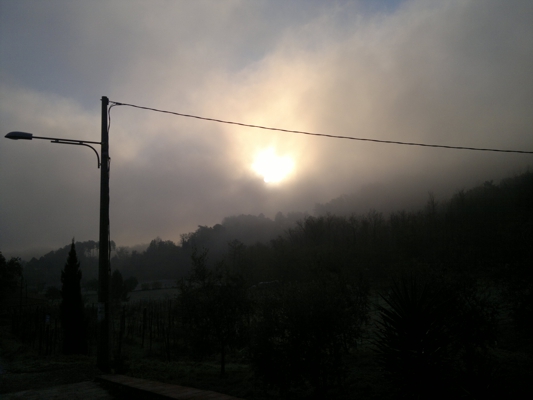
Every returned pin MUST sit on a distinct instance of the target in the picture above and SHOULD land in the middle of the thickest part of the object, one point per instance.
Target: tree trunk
(223, 360)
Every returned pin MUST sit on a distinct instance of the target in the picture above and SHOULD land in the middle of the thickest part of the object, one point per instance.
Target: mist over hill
(161, 259)
(489, 223)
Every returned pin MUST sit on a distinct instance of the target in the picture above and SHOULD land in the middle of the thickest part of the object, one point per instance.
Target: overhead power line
(116, 103)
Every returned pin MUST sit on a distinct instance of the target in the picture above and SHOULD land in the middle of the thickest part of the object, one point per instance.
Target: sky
(448, 72)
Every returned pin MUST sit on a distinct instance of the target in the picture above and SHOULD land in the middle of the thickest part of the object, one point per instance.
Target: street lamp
(104, 272)
(30, 136)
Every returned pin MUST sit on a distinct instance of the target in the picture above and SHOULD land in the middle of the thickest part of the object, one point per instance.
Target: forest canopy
(486, 228)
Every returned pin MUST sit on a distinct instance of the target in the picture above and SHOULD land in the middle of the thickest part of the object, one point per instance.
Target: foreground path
(73, 391)
(109, 387)
(124, 386)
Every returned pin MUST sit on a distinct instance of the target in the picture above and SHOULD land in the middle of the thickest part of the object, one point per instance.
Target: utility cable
(116, 103)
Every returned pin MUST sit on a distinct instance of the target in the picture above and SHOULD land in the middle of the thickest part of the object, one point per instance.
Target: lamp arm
(79, 144)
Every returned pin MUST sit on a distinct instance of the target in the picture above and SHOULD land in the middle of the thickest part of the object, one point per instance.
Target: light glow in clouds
(449, 72)
(271, 167)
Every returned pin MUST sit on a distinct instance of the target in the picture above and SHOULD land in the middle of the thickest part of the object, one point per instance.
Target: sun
(271, 167)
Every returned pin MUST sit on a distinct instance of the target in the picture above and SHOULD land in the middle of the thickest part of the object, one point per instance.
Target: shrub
(433, 337)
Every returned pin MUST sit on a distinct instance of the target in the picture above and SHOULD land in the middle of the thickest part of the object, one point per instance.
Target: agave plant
(413, 338)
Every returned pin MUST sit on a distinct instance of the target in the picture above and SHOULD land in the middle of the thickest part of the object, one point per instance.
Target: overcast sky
(447, 72)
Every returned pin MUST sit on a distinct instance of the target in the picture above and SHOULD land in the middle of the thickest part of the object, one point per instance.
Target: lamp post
(104, 272)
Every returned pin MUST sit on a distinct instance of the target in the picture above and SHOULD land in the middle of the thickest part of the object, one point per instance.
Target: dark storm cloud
(446, 72)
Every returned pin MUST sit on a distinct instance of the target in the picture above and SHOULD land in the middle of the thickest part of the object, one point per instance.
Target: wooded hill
(486, 230)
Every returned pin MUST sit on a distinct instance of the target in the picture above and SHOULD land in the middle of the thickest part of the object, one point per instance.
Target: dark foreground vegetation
(409, 305)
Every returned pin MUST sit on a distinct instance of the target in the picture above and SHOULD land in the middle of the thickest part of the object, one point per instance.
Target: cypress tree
(72, 309)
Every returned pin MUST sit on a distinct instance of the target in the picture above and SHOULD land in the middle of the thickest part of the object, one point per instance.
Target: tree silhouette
(129, 286)
(117, 286)
(72, 309)
(121, 288)
(303, 331)
(215, 306)
(10, 276)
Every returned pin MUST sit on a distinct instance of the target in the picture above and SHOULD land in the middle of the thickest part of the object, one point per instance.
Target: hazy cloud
(446, 72)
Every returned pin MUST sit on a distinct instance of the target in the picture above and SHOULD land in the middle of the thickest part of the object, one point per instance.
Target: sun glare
(271, 167)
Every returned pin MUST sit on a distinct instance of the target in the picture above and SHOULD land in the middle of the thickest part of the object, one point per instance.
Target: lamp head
(19, 135)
